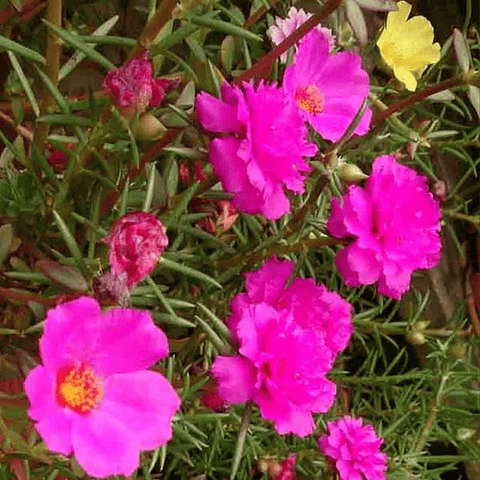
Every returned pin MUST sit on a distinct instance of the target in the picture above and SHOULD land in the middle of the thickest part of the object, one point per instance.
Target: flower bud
(149, 128)
(415, 338)
(351, 173)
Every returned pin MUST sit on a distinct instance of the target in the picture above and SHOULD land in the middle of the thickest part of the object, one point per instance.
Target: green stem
(242, 435)
(262, 67)
(52, 67)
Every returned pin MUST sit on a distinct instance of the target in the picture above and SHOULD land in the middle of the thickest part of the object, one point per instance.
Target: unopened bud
(351, 173)
(149, 128)
(415, 338)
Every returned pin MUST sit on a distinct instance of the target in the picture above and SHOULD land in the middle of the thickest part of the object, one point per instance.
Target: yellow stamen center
(78, 388)
(310, 99)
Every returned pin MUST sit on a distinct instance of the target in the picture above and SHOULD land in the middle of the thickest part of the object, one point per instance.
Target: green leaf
(378, 5)
(64, 275)
(15, 47)
(474, 97)
(78, 56)
(461, 50)
(227, 52)
(25, 83)
(357, 21)
(190, 272)
(6, 239)
(56, 94)
(70, 242)
(77, 42)
(225, 27)
(65, 119)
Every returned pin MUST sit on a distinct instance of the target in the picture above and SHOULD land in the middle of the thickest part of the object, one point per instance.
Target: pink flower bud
(133, 88)
(136, 241)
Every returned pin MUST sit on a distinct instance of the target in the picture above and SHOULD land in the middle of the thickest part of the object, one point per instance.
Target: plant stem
(153, 27)
(262, 67)
(415, 97)
(242, 435)
(52, 66)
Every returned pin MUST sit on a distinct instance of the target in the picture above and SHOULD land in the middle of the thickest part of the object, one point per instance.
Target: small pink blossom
(136, 241)
(354, 449)
(288, 341)
(94, 396)
(328, 89)
(133, 88)
(395, 221)
(261, 149)
(284, 27)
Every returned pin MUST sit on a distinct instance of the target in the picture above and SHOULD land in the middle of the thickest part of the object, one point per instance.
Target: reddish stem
(262, 67)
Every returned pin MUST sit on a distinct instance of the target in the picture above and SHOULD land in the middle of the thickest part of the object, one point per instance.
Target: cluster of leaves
(424, 403)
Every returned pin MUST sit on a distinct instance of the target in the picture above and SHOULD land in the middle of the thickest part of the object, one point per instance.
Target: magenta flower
(396, 223)
(288, 339)
(133, 88)
(93, 396)
(255, 158)
(136, 241)
(327, 89)
(354, 449)
(284, 27)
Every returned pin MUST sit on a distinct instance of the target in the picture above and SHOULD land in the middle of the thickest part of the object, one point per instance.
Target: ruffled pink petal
(216, 115)
(276, 204)
(267, 283)
(70, 333)
(53, 422)
(144, 402)
(128, 340)
(235, 378)
(299, 423)
(357, 266)
(103, 446)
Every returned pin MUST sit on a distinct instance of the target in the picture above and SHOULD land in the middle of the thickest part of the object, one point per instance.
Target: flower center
(310, 99)
(78, 388)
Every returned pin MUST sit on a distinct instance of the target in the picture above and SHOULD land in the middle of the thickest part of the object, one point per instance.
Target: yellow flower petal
(396, 19)
(406, 77)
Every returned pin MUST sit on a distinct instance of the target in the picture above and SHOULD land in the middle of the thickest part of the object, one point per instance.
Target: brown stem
(415, 97)
(22, 131)
(262, 67)
(52, 66)
(153, 27)
(27, 297)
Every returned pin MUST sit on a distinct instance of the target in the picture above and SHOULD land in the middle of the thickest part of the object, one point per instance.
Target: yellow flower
(407, 45)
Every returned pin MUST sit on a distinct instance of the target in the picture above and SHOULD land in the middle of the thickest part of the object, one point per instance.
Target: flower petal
(103, 446)
(144, 402)
(235, 378)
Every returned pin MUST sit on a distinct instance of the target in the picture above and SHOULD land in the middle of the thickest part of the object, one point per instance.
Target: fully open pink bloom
(288, 339)
(355, 449)
(263, 149)
(396, 223)
(328, 89)
(133, 88)
(136, 241)
(93, 396)
(283, 27)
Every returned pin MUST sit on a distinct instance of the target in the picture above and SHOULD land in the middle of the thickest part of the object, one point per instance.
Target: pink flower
(262, 147)
(327, 89)
(283, 27)
(288, 339)
(395, 221)
(133, 88)
(136, 241)
(355, 449)
(93, 396)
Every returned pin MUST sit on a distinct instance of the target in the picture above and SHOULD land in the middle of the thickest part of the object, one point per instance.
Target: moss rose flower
(327, 89)
(288, 339)
(354, 449)
(263, 149)
(407, 45)
(133, 88)
(93, 396)
(395, 221)
(284, 27)
(136, 241)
